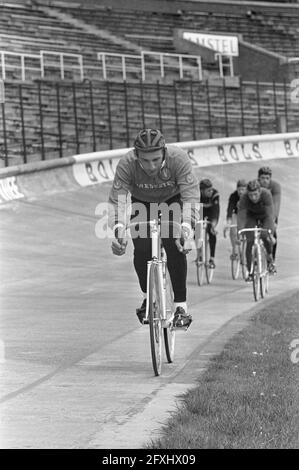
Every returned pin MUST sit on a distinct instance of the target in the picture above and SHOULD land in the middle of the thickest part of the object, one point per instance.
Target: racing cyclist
(231, 215)
(209, 197)
(156, 176)
(266, 181)
(256, 209)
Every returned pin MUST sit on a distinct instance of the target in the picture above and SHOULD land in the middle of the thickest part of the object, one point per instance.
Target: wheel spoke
(169, 332)
(155, 319)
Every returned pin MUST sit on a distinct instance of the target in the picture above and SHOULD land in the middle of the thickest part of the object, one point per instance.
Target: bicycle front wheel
(243, 259)
(255, 275)
(264, 281)
(235, 266)
(169, 331)
(155, 318)
(208, 269)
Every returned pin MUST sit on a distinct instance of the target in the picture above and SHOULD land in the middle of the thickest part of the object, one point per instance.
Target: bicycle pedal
(182, 326)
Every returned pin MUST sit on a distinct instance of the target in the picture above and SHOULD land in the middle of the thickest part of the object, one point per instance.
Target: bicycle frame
(258, 267)
(159, 305)
(241, 259)
(201, 241)
(158, 258)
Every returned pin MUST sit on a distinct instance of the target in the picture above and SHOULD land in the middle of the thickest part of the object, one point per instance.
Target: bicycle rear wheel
(235, 267)
(264, 281)
(262, 286)
(199, 267)
(169, 331)
(155, 318)
(209, 271)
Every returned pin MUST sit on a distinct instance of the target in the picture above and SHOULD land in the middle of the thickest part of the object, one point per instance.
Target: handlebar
(255, 230)
(162, 229)
(158, 224)
(204, 221)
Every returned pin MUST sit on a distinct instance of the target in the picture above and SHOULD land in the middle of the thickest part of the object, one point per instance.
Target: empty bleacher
(46, 119)
(106, 115)
(275, 32)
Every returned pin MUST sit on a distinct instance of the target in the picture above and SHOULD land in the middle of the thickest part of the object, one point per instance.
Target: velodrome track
(77, 370)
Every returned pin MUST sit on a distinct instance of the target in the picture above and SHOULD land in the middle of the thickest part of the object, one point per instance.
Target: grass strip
(248, 396)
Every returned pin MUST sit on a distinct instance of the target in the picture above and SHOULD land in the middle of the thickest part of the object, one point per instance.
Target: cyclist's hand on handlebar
(119, 245)
(186, 235)
(213, 230)
(272, 239)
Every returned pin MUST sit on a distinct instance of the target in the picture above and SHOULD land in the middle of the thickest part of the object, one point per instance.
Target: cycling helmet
(253, 185)
(265, 170)
(148, 140)
(205, 184)
(241, 183)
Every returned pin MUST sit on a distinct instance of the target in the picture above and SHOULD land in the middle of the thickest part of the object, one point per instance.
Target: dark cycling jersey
(275, 190)
(232, 207)
(211, 208)
(250, 212)
(176, 176)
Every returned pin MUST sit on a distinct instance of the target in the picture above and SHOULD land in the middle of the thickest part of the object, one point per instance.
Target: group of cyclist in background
(153, 173)
(256, 203)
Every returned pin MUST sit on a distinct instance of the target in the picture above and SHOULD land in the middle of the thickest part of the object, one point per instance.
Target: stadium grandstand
(84, 76)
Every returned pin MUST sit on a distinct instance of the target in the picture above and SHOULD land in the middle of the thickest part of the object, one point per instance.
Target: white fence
(140, 65)
(26, 66)
(63, 66)
(17, 61)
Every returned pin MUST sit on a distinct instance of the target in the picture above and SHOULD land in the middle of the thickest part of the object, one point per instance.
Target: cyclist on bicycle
(231, 214)
(266, 181)
(209, 197)
(156, 176)
(256, 209)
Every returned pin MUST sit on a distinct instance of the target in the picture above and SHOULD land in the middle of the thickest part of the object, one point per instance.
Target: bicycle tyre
(199, 267)
(267, 282)
(235, 268)
(262, 287)
(155, 320)
(255, 274)
(243, 260)
(264, 281)
(209, 271)
(169, 331)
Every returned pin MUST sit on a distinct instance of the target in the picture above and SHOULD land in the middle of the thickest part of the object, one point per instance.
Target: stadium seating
(180, 115)
(118, 109)
(276, 32)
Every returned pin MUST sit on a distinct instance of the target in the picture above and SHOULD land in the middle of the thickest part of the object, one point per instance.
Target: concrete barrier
(94, 168)
(43, 178)
(36, 179)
